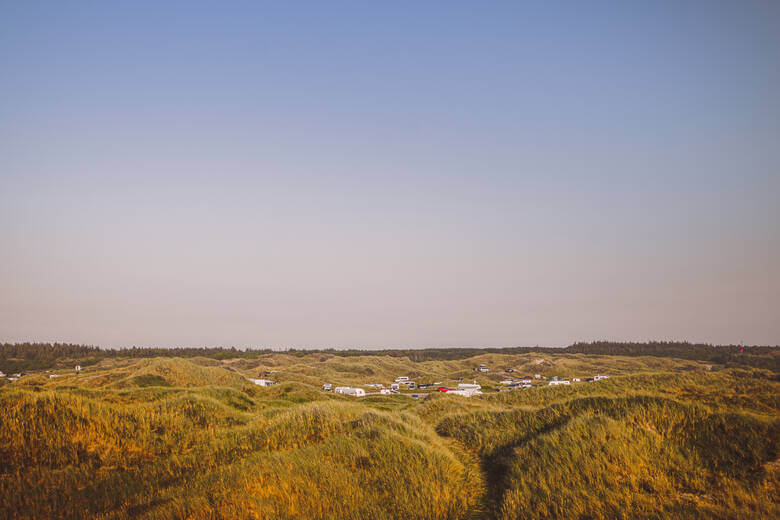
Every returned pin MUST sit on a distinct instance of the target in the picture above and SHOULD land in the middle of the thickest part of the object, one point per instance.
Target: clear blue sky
(389, 173)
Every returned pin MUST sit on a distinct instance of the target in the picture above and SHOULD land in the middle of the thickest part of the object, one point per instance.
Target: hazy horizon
(356, 174)
(370, 348)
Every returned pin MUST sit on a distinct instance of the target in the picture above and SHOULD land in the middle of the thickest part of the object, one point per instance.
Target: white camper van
(346, 390)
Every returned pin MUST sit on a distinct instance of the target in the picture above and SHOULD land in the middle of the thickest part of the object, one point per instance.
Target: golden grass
(175, 438)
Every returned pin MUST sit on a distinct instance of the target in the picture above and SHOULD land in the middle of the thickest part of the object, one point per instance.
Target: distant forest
(16, 357)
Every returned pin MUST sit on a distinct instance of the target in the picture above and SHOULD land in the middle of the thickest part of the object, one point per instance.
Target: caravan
(346, 390)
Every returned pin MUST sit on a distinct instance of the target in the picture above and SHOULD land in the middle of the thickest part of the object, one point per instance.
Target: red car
(443, 389)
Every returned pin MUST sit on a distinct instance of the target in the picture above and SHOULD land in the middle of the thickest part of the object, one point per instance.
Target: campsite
(201, 434)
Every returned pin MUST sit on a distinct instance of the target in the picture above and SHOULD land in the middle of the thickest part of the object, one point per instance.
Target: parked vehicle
(262, 382)
(356, 392)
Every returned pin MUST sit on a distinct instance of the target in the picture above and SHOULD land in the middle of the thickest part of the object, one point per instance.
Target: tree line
(32, 356)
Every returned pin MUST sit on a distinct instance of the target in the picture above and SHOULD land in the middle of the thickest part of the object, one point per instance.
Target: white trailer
(346, 390)
(262, 382)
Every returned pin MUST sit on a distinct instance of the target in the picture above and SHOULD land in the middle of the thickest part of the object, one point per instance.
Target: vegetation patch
(168, 437)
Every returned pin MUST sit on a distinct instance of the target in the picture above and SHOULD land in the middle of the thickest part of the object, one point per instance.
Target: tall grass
(175, 438)
(69, 456)
(624, 457)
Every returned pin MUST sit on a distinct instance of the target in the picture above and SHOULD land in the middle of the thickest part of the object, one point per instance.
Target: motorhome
(346, 390)
(262, 382)
(467, 390)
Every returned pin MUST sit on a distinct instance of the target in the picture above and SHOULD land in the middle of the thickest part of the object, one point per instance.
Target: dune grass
(193, 438)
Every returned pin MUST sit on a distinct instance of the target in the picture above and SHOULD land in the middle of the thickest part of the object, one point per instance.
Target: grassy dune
(193, 438)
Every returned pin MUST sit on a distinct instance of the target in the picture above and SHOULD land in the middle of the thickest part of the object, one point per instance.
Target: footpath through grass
(193, 438)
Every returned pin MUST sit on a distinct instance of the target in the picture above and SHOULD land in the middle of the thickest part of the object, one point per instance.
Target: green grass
(193, 438)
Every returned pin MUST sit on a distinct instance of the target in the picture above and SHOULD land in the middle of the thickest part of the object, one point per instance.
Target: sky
(389, 174)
